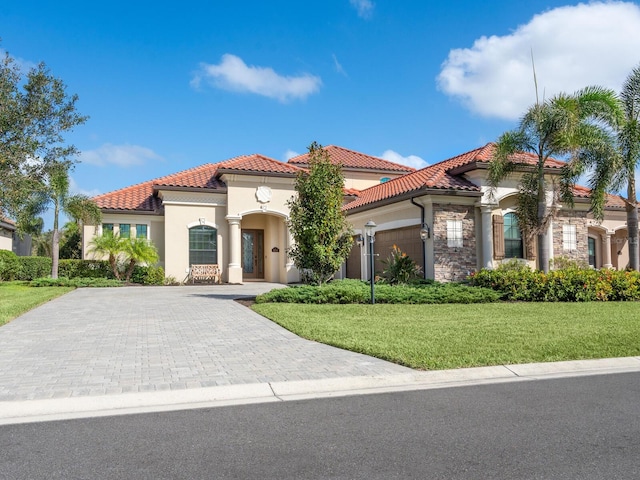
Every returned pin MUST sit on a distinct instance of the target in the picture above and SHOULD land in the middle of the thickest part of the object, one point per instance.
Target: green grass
(17, 298)
(455, 336)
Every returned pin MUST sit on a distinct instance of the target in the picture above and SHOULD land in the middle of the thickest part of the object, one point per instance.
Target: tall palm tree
(54, 192)
(565, 125)
(618, 170)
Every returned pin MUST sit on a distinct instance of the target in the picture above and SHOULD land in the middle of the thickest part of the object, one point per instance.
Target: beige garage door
(407, 239)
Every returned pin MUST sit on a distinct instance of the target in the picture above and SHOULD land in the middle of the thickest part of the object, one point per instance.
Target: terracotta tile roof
(613, 201)
(7, 223)
(257, 163)
(354, 160)
(141, 197)
(445, 175)
(352, 192)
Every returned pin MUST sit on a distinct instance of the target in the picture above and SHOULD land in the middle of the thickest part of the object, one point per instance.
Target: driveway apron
(136, 339)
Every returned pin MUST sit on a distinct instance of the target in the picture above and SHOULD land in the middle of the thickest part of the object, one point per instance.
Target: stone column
(607, 250)
(487, 236)
(235, 249)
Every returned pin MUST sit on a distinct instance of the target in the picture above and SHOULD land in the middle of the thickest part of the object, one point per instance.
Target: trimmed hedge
(34, 267)
(356, 291)
(75, 282)
(73, 268)
(9, 266)
(567, 285)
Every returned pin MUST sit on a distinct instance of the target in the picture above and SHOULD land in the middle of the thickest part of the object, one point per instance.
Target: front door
(252, 254)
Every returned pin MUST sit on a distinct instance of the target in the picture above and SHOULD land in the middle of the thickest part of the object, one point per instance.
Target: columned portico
(234, 271)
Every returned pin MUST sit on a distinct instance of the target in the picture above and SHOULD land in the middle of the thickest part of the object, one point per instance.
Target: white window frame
(454, 233)
(569, 238)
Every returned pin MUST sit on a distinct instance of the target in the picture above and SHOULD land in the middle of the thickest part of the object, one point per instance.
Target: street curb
(30, 411)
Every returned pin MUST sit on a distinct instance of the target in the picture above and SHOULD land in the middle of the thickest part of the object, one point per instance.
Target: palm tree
(565, 125)
(54, 191)
(618, 170)
(110, 245)
(139, 250)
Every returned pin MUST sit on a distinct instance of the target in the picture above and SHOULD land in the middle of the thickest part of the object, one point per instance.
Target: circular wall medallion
(263, 194)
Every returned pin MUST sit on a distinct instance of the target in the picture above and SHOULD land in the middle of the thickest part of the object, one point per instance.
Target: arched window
(512, 237)
(203, 245)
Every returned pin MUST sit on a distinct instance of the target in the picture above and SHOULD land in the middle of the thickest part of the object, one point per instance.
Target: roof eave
(414, 193)
(255, 173)
(177, 188)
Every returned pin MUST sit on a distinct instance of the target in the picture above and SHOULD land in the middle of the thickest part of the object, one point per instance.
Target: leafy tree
(138, 250)
(35, 112)
(616, 170)
(123, 250)
(71, 241)
(565, 125)
(53, 191)
(321, 233)
(110, 245)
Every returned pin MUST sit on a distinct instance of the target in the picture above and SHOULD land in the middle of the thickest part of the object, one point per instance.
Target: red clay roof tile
(354, 160)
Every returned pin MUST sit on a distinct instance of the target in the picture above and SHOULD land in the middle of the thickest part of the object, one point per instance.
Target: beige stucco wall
(362, 180)
(6, 239)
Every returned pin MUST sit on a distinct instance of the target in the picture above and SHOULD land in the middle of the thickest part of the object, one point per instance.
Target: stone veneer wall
(449, 264)
(579, 219)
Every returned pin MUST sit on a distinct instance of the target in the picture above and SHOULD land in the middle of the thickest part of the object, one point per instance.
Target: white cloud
(290, 154)
(338, 66)
(573, 47)
(410, 161)
(235, 75)
(75, 189)
(119, 155)
(24, 66)
(363, 7)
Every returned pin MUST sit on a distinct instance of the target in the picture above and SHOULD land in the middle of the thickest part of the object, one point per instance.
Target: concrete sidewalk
(131, 349)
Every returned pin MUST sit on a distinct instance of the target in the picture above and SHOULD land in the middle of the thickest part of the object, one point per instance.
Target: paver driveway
(135, 339)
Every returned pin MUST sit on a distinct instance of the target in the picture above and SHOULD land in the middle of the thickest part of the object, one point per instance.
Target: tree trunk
(543, 243)
(632, 223)
(55, 242)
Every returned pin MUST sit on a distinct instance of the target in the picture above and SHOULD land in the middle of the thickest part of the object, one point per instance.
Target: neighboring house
(7, 232)
(234, 214)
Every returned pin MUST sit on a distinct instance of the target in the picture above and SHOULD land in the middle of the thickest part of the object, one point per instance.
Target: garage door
(353, 262)
(407, 239)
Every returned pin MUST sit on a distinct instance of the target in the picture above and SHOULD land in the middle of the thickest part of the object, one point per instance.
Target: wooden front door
(252, 254)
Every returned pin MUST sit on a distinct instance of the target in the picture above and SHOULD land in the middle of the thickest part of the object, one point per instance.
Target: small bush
(10, 268)
(34, 267)
(400, 269)
(148, 275)
(356, 291)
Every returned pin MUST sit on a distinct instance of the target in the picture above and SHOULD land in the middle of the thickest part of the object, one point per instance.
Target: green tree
(563, 126)
(320, 231)
(138, 250)
(616, 170)
(110, 245)
(35, 112)
(71, 241)
(53, 191)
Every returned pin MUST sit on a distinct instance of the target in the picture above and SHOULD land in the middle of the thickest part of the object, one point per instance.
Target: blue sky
(169, 85)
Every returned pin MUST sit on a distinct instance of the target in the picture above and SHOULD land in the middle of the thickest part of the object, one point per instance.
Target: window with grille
(512, 237)
(203, 245)
(569, 238)
(454, 233)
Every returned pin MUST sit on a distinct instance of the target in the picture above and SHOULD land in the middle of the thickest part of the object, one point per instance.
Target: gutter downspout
(424, 242)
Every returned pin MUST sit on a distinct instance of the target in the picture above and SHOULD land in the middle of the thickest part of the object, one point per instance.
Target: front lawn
(455, 336)
(16, 298)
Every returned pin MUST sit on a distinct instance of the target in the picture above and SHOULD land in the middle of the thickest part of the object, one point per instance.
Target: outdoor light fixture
(425, 232)
(370, 230)
(359, 240)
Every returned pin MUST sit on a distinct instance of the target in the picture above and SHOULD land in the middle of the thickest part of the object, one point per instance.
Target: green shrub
(356, 291)
(150, 275)
(400, 269)
(85, 269)
(10, 268)
(34, 267)
(75, 282)
(570, 284)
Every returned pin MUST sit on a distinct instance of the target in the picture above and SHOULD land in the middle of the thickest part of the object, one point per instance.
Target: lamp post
(424, 235)
(370, 231)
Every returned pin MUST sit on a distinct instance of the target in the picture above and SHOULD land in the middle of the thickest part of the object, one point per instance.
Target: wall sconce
(425, 232)
(359, 240)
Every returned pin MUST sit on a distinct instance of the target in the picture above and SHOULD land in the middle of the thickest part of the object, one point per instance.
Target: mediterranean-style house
(234, 214)
(7, 233)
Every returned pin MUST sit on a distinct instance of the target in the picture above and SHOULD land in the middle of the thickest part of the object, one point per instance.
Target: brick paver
(137, 339)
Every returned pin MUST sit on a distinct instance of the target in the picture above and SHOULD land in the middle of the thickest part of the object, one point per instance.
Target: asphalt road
(572, 428)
